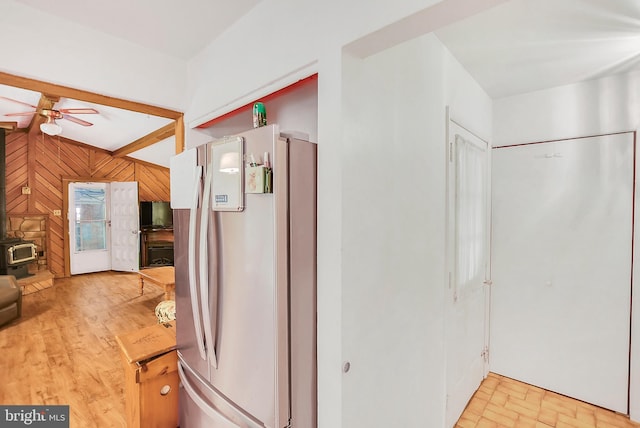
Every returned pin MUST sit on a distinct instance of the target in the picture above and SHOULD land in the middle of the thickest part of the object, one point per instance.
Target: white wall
(469, 105)
(600, 106)
(295, 112)
(45, 47)
(393, 240)
(279, 42)
(392, 272)
(610, 104)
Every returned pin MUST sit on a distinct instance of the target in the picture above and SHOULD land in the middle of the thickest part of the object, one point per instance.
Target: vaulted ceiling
(179, 30)
(118, 126)
(515, 47)
(521, 46)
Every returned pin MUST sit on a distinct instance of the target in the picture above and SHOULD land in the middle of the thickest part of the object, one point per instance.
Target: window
(470, 212)
(90, 219)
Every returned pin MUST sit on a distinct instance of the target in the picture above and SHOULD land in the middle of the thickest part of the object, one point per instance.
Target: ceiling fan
(50, 126)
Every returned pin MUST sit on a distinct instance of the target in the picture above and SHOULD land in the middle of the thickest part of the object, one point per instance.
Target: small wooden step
(38, 281)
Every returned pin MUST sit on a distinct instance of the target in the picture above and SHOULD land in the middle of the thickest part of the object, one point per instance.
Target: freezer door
(248, 271)
(203, 407)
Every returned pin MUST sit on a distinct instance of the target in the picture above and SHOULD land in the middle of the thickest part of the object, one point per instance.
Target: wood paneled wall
(41, 162)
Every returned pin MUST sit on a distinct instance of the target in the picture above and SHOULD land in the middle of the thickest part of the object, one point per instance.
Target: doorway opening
(102, 225)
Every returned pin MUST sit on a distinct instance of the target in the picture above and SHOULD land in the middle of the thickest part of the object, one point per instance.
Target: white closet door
(561, 265)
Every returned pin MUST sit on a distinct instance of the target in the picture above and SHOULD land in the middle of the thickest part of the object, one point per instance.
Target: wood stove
(15, 257)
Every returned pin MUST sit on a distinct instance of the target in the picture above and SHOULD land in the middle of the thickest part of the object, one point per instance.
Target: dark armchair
(10, 299)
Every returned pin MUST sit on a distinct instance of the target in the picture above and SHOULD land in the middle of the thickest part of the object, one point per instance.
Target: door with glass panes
(103, 227)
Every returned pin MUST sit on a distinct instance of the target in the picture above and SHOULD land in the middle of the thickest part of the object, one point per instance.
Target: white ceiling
(526, 45)
(177, 28)
(518, 46)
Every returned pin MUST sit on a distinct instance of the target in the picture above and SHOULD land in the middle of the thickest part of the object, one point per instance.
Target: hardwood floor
(503, 402)
(63, 349)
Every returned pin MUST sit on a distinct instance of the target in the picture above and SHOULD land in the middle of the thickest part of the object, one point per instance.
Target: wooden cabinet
(151, 376)
(156, 247)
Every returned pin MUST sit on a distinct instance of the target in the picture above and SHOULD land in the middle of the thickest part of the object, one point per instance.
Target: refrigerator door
(186, 182)
(302, 282)
(248, 268)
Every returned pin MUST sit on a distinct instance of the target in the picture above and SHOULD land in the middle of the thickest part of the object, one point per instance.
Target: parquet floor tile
(502, 402)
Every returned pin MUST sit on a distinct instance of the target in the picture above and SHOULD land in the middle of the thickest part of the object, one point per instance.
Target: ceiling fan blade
(78, 110)
(26, 113)
(18, 102)
(76, 120)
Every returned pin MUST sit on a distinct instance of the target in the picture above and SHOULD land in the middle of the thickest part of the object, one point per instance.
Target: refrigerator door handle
(204, 269)
(193, 287)
(200, 402)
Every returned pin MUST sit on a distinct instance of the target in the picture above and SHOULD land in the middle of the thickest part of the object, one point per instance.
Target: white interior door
(89, 236)
(468, 261)
(125, 226)
(561, 266)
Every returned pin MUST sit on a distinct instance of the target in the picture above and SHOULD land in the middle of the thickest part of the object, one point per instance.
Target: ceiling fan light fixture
(50, 127)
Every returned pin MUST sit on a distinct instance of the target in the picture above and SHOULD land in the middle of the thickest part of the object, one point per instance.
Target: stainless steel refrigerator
(245, 261)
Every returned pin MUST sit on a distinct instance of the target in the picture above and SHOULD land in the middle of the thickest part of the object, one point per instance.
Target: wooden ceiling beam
(179, 135)
(9, 126)
(46, 102)
(156, 136)
(78, 94)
